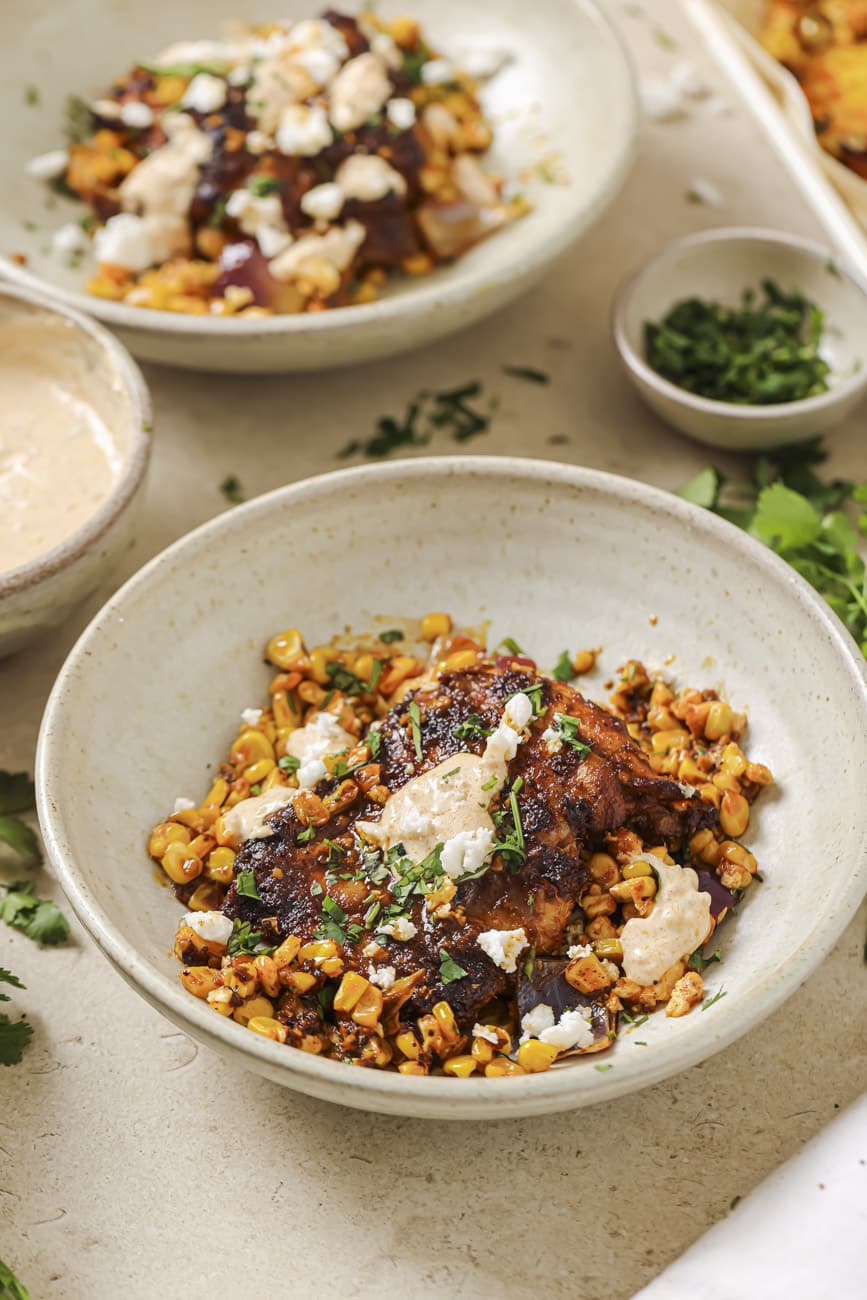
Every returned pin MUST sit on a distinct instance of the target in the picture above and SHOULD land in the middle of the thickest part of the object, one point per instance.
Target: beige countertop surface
(134, 1163)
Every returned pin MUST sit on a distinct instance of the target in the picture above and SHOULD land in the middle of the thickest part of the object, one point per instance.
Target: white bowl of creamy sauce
(75, 423)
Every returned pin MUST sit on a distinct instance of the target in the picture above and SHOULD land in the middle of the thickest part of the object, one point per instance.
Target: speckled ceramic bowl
(564, 109)
(552, 555)
(38, 595)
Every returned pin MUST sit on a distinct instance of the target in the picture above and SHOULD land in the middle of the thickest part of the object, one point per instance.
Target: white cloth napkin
(800, 1235)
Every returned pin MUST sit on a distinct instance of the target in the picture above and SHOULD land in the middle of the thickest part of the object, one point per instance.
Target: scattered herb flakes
(187, 70)
(490, 783)
(511, 645)
(605, 1065)
(415, 724)
(663, 39)
(245, 884)
(638, 1042)
(344, 680)
(450, 971)
(833, 269)
(450, 412)
(567, 729)
(530, 962)
(390, 635)
(232, 490)
(316, 889)
(473, 728)
(558, 439)
(14, 1037)
(305, 836)
(16, 796)
(373, 740)
(708, 1002)
(32, 97)
(38, 918)
(760, 353)
(263, 186)
(563, 670)
(244, 939)
(735, 1201)
(699, 962)
(805, 520)
(79, 120)
(528, 373)
(218, 211)
(289, 763)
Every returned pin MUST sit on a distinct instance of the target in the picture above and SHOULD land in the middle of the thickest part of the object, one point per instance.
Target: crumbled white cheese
(382, 976)
(437, 71)
(401, 928)
(480, 58)
(135, 243)
(703, 191)
(573, 1029)
(534, 1022)
(251, 716)
(359, 90)
(69, 240)
(303, 131)
(487, 1032)
(262, 217)
(201, 52)
(661, 100)
(400, 113)
(611, 969)
(319, 48)
(337, 247)
(107, 109)
(48, 166)
(686, 77)
(213, 927)
(503, 947)
(371, 949)
(205, 93)
(551, 738)
(313, 742)
(473, 181)
(579, 950)
(239, 75)
(258, 142)
(136, 114)
(163, 183)
(182, 804)
(279, 82)
(465, 852)
(387, 48)
(324, 202)
(367, 177)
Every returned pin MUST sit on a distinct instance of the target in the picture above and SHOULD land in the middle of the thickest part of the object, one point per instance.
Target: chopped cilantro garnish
(79, 119)
(316, 889)
(189, 70)
(391, 635)
(245, 884)
(289, 763)
(567, 729)
(14, 1037)
(305, 836)
(563, 670)
(450, 971)
(510, 837)
(373, 740)
(371, 914)
(218, 211)
(534, 695)
(415, 724)
(32, 99)
(472, 729)
(244, 939)
(343, 679)
(16, 795)
(490, 783)
(448, 775)
(710, 1001)
(530, 373)
(261, 186)
(448, 412)
(232, 490)
(605, 1065)
(699, 962)
(511, 645)
(378, 665)
(336, 924)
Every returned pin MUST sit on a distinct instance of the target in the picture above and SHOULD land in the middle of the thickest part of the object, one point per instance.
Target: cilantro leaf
(563, 670)
(704, 489)
(472, 729)
(699, 962)
(232, 490)
(567, 729)
(38, 918)
(511, 645)
(289, 763)
(16, 792)
(450, 971)
(244, 939)
(6, 977)
(344, 680)
(21, 838)
(245, 884)
(391, 635)
(785, 519)
(14, 1037)
(415, 724)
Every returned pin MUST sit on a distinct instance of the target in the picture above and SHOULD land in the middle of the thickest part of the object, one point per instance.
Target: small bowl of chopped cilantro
(744, 338)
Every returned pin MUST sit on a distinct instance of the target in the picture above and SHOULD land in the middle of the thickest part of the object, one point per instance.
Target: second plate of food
(308, 192)
(512, 795)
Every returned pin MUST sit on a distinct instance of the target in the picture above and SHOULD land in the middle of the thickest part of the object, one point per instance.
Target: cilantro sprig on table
(10, 1287)
(14, 1034)
(16, 796)
(805, 520)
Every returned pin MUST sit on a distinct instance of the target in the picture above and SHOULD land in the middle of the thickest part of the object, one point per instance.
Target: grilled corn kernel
(241, 977)
(363, 667)
(268, 1027)
(249, 1011)
(222, 1000)
(759, 774)
(412, 1067)
(267, 974)
(718, 721)
(662, 741)
(351, 988)
(640, 868)
(734, 814)
(503, 1067)
(318, 950)
(407, 1043)
(257, 771)
(534, 1057)
(206, 897)
(287, 952)
(165, 834)
(284, 648)
(460, 1066)
(482, 1051)
(319, 657)
(446, 1020)
(332, 967)
(220, 865)
(179, 864)
(434, 625)
(587, 974)
(459, 660)
(604, 869)
(301, 980)
(250, 747)
(609, 948)
(584, 662)
(368, 1007)
(200, 980)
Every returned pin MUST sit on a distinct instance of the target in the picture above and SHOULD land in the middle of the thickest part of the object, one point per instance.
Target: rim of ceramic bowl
(72, 547)
(636, 363)
(564, 1087)
(416, 296)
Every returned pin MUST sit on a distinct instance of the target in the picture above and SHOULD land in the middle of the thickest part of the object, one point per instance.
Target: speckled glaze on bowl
(552, 555)
(565, 103)
(38, 595)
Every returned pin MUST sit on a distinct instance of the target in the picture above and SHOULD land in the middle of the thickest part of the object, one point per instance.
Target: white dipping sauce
(59, 460)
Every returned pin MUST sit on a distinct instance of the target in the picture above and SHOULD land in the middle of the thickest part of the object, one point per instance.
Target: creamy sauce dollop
(678, 924)
(59, 459)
